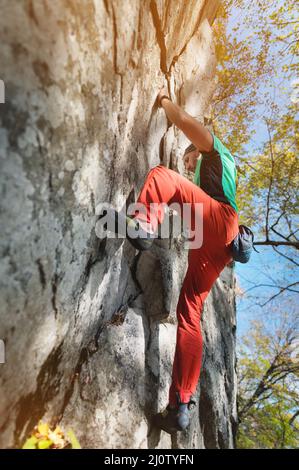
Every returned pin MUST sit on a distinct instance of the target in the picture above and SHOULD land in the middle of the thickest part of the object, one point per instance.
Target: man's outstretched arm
(198, 134)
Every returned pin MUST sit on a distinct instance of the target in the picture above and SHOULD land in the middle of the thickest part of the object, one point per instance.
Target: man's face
(190, 160)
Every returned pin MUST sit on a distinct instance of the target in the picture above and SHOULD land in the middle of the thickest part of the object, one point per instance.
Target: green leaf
(30, 443)
(73, 440)
(44, 444)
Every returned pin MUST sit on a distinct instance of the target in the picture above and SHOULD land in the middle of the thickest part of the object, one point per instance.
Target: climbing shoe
(128, 226)
(174, 419)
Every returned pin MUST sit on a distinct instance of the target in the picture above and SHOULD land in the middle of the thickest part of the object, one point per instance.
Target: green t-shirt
(216, 173)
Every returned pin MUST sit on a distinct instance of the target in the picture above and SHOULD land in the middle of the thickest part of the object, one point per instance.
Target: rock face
(89, 325)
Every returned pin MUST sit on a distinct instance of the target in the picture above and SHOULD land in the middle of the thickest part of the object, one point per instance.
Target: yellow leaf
(43, 428)
(73, 440)
(30, 443)
(58, 430)
(44, 444)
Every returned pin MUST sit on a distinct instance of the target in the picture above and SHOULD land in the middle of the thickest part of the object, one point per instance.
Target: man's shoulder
(222, 149)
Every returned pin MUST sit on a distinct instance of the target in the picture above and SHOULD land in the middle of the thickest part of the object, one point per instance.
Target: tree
(255, 55)
(266, 33)
(254, 102)
(268, 399)
(268, 190)
(240, 71)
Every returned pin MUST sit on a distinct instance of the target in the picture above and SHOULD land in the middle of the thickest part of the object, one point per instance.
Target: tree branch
(282, 289)
(270, 182)
(285, 256)
(293, 417)
(278, 243)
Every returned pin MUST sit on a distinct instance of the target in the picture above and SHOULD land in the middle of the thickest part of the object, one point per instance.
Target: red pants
(220, 226)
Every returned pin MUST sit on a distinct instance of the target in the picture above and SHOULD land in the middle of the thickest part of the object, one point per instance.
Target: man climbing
(214, 187)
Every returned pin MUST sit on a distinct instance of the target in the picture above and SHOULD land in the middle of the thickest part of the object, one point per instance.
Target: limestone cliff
(89, 325)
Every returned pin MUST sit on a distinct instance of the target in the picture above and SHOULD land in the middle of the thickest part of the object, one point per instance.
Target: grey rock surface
(89, 325)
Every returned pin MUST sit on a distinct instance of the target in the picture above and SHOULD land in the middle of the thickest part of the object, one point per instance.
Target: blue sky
(266, 267)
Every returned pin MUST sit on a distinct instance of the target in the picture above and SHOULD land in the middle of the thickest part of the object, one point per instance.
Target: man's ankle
(145, 226)
(172, 407)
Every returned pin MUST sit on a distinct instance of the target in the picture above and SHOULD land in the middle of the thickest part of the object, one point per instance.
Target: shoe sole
(120, 223)
(158, 422)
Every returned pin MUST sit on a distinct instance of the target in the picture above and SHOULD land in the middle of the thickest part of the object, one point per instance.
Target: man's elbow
(198, 134)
